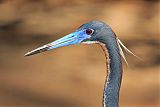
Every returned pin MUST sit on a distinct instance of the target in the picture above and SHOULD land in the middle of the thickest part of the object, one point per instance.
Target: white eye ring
(89, 31)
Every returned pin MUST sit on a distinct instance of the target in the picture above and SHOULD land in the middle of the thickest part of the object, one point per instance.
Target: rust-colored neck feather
(114, 76)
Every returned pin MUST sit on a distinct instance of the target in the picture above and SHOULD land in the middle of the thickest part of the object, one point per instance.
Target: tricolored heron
(102, 34)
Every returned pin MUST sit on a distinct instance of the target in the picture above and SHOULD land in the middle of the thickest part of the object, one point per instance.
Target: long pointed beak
(71, 39)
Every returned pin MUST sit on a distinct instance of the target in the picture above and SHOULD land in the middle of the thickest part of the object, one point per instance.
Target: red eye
(89, 31)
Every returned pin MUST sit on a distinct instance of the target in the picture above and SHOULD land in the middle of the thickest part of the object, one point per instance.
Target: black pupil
(89, 31)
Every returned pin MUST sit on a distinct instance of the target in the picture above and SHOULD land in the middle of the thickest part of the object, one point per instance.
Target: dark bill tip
(36, 51)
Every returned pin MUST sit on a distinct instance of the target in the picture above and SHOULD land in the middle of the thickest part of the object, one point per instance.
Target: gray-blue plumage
(104, 34)
(101, 33)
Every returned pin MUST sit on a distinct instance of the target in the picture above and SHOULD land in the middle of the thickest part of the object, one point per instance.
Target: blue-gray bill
(71, 39)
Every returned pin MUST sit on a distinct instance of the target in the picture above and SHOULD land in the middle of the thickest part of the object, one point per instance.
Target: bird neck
(114, 75)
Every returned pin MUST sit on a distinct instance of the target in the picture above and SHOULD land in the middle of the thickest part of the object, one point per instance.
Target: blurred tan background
(74, 76)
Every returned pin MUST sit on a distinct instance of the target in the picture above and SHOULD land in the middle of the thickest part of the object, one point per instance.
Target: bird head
(89, 33)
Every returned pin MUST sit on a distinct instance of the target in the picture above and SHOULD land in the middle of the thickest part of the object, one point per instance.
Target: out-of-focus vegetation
(74, 76)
